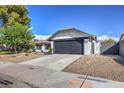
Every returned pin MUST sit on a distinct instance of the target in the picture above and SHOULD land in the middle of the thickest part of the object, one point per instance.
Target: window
(38, 47)
(47, 46)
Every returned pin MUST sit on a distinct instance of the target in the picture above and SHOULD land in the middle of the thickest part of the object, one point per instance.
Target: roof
(122, 37)
(42, 42)
(71, 32)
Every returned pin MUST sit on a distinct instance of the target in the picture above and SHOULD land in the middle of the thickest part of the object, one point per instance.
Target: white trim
(62, 37)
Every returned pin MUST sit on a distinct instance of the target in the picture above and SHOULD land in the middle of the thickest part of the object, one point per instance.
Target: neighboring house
(42, 46)
(74, 41)
(3, 47)
(121, 45)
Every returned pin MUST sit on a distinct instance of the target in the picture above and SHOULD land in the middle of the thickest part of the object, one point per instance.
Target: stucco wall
(52, 46)
(97, 46)
(87, 48)
(121, 48)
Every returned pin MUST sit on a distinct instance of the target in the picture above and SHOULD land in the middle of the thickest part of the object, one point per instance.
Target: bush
(6, 52)
(50, 50)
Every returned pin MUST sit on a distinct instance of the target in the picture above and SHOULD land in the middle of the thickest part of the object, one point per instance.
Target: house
(121, 45)
(42, 45)
(74, 41)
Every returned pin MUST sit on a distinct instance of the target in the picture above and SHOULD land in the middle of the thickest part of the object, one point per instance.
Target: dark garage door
(68, 47)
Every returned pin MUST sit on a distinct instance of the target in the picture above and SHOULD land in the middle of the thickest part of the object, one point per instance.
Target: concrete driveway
(55, 61)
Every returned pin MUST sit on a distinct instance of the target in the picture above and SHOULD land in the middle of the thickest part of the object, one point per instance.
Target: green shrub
(6, 52)
(50, 50)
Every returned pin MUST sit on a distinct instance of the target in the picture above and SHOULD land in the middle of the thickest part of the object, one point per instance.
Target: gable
(69, 33)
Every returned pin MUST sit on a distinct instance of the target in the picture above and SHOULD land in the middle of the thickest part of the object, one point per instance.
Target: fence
(121, 48)
(109, 48)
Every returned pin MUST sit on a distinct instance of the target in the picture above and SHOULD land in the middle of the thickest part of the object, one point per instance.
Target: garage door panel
(60, 47)
(67, 47)
(74, 47)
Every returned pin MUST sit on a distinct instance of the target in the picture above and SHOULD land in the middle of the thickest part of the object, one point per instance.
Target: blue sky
(99, 20)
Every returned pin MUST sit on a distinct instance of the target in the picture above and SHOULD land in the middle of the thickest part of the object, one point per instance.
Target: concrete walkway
(55, 61)
(49, 78)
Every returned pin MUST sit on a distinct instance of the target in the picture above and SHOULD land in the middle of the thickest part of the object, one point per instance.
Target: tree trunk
(15, 49)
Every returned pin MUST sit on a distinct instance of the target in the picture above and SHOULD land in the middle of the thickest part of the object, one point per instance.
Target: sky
(102, 21)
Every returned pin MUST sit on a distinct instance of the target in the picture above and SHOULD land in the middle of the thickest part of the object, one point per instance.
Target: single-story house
(42, 45)
(74, 41)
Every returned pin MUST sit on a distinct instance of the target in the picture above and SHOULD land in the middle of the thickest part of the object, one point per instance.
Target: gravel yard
(109, 67)
(20, 57)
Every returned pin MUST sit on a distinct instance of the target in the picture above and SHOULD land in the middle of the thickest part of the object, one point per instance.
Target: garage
(71, 41)
(68, 47)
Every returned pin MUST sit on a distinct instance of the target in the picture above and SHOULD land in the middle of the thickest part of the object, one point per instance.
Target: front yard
(99, 66)
(20, 57)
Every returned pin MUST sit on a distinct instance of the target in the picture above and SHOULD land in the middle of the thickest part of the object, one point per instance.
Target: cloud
(42, 37)
(104, 37)
(109, 32)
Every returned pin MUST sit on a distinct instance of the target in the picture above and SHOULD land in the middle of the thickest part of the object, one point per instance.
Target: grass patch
(6, 52)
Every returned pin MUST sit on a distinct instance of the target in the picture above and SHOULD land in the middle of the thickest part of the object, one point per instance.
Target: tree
(14, 13)
(16, 35)
(110, 40)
